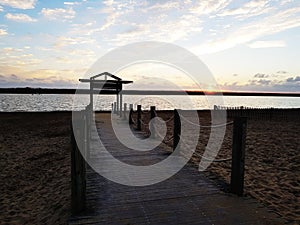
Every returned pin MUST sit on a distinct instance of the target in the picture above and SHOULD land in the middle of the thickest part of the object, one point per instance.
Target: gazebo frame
(115, 85)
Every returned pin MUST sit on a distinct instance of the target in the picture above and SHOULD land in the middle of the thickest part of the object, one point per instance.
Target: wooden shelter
(109, 82)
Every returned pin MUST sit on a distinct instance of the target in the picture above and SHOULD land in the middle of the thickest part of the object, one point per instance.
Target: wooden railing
(260, 113)
(238, 142)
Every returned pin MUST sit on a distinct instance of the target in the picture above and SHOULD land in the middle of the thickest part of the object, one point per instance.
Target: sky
(247, 45)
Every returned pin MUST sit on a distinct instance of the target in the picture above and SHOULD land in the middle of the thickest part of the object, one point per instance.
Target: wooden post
(78, 180)
(139, 117)
(130, 116)
(86, 121)
(121, 104)
(238, 155)
(152, 115)
(115, 107)
(88, 125)
(92, 96)
(125, 111)
(176, 129)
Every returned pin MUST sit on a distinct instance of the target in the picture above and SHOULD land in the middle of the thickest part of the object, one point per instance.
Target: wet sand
(35, 166)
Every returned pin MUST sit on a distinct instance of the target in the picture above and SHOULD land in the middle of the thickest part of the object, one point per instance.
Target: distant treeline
(29, 90)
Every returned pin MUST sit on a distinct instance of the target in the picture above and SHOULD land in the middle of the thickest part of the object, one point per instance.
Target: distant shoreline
(142, 92)
(162, 110)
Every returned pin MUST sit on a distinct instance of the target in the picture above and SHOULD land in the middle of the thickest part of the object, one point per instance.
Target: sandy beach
(35, 165)
(35, 168)
(272, 162)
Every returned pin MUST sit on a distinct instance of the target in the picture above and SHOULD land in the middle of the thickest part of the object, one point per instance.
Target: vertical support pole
(112, 107)
(176, 129)
(152, 126)
(238, 155)
(115, 107)
(91, 94)
(78, 181)
(117, 111)
(131, 106)
(121, 104)
(130, 117)
(91, 100)
(125, 111)
(87, 131)
(139, 117)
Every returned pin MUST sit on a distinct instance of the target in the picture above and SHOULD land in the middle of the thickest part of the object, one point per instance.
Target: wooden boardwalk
(186, 198)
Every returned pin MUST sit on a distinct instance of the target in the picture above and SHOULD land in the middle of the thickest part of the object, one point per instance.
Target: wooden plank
(188, 197)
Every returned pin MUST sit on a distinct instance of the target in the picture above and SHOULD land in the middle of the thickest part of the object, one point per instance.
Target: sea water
(68, 102)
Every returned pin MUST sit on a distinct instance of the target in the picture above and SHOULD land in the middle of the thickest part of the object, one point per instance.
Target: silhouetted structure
(99, 86)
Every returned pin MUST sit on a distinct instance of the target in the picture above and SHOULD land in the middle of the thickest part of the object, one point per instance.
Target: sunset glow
(247, 45)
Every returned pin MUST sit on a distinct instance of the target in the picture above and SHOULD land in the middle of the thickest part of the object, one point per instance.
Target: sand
(35, 166)
(272, 167)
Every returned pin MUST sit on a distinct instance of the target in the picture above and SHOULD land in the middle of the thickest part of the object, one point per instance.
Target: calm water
(10, 103)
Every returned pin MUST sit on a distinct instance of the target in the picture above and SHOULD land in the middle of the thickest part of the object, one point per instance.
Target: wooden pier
(186, 198)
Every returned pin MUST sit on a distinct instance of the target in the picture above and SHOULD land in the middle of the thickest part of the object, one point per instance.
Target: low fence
(261, 113)
(81, 129)
(238, 141)
(270, 114)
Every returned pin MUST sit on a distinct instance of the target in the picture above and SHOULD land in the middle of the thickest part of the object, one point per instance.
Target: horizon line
(29, 90)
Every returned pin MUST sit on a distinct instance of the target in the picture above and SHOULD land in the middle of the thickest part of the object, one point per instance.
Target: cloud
(17, 57)
(249, 9)
(20, 17)
(149, 20)
(261, 75)
(72, 3)
(50, 78)
(113, 10)
(1, 8)
(58, 13)
(110, 20)
(293, 80)
(267, 44)
(160, 28)
(66, 41)
(291, 84)
(283, 2)
(209, 6)
(3, 32)
(19, 4)
(244, 33)
(282, 72)
(86, 29)
(202, 22)
(14, 77)
(263, 82)
(165, 6)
